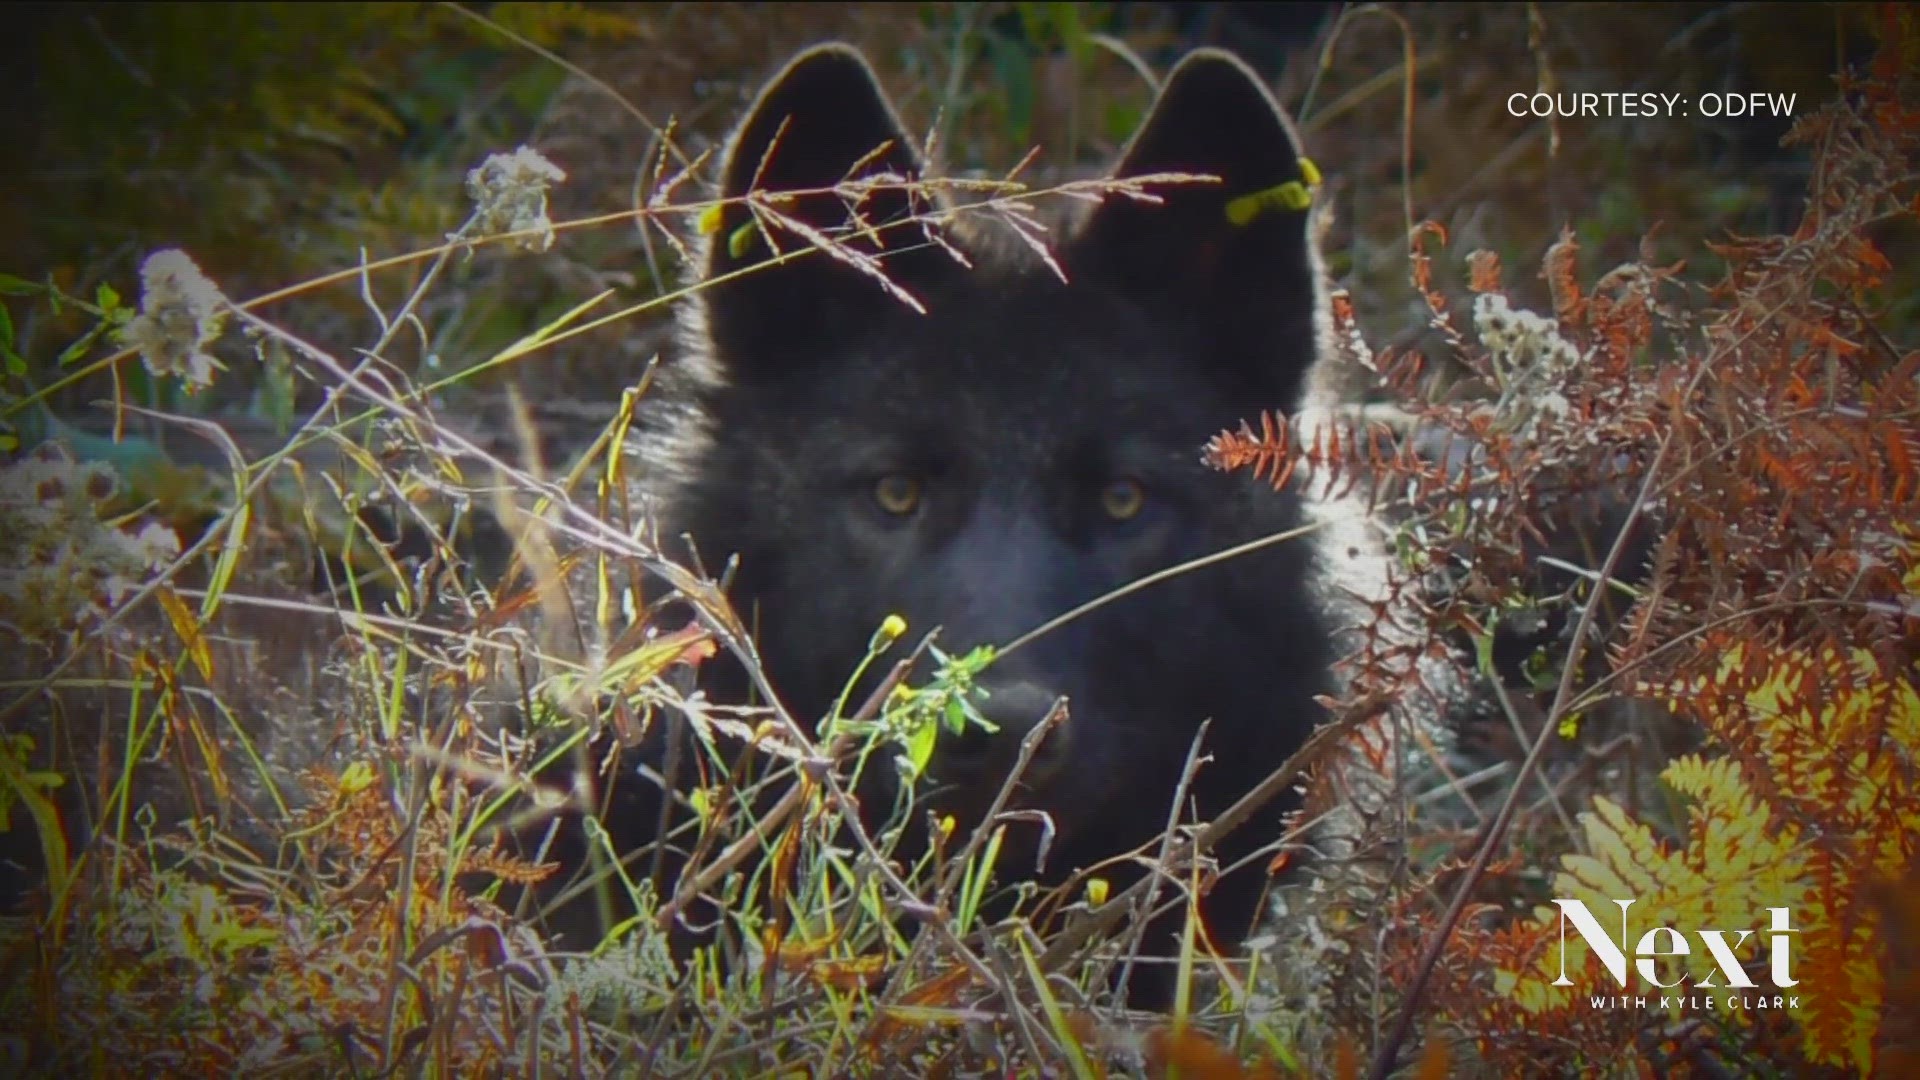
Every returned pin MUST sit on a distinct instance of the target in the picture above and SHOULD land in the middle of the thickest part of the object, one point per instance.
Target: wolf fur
(1024, 414)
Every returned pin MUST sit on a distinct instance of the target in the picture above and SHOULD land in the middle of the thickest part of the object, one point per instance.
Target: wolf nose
(1015, 710)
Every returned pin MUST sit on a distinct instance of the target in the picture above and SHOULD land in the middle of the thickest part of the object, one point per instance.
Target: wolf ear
(821, 121)
(1233, 259)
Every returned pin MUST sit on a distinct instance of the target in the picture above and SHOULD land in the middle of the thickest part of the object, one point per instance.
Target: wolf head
(1009, 444)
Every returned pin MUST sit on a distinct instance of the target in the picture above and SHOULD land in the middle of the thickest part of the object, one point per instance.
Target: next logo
(1663, 941)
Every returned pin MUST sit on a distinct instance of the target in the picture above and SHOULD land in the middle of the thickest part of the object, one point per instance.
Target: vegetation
(273, 707)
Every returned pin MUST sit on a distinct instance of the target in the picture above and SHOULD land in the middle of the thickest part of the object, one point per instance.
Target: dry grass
(281, 828)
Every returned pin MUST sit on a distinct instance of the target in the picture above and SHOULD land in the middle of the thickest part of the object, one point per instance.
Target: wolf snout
(1015, 710)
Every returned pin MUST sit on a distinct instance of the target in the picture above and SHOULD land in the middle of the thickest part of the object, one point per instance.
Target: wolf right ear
(1234, 259)
(822, 121)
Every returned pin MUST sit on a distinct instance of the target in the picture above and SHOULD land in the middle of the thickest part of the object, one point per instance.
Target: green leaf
(277, 389)
(228, 937)
(108, 300)
(920, 746)
(1483, 652)
(956, 715)
(15, 363)
(18, 286)
(1539, 669)
(75, 352)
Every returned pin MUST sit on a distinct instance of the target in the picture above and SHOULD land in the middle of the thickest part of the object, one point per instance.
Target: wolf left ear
(822, 121)
(1234, 260)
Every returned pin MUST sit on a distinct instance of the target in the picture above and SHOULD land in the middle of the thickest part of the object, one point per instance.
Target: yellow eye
(897, 495)
(1122, 499)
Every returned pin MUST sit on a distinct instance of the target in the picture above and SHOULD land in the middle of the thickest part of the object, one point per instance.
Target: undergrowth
(274, 725)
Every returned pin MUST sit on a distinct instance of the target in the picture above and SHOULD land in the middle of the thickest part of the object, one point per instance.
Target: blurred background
(276, 142)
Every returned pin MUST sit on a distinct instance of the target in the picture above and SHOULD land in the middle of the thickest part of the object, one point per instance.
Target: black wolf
(1027, 443)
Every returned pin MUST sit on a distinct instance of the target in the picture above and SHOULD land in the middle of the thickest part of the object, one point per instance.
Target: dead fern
(1777, 430)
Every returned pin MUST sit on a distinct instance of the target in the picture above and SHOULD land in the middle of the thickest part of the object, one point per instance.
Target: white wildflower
(61, 566)
(510, 195)
(1520, 339)
(181, 313)
(1532, 363)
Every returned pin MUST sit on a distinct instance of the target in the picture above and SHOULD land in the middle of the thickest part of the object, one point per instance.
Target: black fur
(1013, 401)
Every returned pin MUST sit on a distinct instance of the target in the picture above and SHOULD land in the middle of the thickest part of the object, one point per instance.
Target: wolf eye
(897, 495)
(1122, 499)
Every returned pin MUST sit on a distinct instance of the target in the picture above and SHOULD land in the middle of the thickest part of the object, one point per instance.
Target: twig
(1166, 850)
(1070, 940)
(1028, 746)
(1387, 1054)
